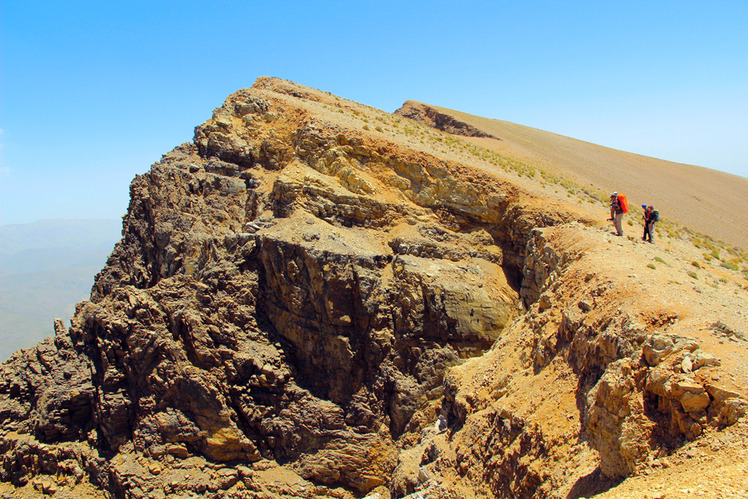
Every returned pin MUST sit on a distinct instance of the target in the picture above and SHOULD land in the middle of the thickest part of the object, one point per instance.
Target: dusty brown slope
(705, 200)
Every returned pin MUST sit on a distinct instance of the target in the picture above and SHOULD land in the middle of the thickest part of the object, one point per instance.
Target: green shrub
(696, 264)
(692, 274)
(651, 266)
(658, 259)
(729, 265)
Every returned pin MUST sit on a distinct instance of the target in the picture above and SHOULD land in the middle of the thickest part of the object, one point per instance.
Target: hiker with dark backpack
(618, 206)
(650, 217)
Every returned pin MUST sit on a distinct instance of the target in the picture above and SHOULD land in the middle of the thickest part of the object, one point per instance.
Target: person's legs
(617, 221)
(650, 232)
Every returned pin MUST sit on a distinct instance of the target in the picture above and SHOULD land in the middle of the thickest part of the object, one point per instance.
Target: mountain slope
(707, 201)
(315, 298)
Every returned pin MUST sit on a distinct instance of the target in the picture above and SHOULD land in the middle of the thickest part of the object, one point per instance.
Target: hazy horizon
(46, 267)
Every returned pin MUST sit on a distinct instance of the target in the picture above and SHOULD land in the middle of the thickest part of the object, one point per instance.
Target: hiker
(650, 217)
(618, 206)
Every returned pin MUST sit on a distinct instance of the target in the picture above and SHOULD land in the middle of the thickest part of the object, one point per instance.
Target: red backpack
(623, 202)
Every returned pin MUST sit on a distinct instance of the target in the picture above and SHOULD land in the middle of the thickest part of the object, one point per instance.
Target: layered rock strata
(427, 114)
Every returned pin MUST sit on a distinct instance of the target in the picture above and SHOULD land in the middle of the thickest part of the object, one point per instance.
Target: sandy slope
(707, 201)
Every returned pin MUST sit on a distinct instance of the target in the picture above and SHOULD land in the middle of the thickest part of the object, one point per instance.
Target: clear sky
(93, 92)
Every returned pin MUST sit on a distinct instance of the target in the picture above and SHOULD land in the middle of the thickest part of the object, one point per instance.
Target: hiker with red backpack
(618, 206)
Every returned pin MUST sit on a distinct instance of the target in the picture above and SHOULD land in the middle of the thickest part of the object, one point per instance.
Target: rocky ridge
(441, 121)
(302, 306)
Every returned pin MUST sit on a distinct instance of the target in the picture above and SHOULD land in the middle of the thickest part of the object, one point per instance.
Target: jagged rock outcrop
(432, 117)
(593, 376)
(256, 307)
(297, 301)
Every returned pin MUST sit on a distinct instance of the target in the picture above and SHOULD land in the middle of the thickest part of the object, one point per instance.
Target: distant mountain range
(46, 267)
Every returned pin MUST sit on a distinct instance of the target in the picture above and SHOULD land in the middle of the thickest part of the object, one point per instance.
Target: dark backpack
(655, 216)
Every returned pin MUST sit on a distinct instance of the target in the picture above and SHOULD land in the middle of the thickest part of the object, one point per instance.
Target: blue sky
(93, 92)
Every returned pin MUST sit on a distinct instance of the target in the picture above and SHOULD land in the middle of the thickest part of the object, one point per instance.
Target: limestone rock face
(49, 390)
(301, 306)
(283, 290)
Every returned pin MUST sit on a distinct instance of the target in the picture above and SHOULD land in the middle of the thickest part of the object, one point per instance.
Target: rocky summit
(315, 298)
